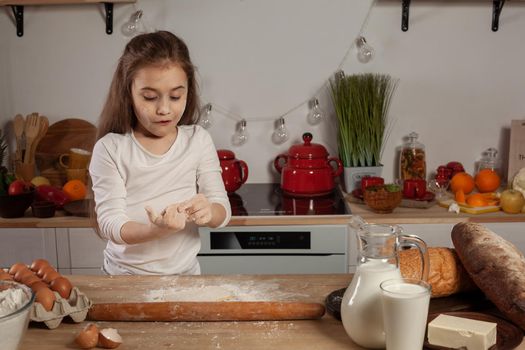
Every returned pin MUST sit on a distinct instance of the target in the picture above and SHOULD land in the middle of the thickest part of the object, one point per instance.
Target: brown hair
(156, 48)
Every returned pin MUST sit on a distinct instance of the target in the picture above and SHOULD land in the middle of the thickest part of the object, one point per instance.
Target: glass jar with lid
(412, 161)
(489, 160)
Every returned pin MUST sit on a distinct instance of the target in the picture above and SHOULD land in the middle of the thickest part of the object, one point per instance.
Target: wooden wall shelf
(18, 9)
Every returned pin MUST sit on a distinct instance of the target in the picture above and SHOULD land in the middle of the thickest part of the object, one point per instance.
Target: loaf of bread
(496, 266)
(446, 274)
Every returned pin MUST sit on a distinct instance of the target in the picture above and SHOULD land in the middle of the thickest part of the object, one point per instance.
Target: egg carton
(76, 307)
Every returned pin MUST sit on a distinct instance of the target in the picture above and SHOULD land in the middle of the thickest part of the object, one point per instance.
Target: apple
(455, 167)
(511, 201)
(17, 187)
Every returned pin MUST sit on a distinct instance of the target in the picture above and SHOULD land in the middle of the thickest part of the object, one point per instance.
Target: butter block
(456, 332)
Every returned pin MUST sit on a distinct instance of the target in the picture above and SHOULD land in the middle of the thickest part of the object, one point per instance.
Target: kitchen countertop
(324, 333)
(432, 215)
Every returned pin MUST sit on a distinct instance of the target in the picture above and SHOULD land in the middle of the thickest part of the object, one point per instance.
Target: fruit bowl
(15, 206)
(383, 199)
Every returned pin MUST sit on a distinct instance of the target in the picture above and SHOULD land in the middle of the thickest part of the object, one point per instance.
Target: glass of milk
(405, 310)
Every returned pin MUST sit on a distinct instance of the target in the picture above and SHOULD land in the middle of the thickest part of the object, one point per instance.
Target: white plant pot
(353, 175)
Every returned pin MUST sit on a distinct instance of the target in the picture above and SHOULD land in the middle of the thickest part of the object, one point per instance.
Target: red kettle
(307, 169)
(234, 171)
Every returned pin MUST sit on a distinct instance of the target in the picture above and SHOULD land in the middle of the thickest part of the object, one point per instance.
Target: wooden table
(325, 333)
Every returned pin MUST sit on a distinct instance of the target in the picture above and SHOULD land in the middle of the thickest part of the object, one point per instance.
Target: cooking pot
(307, 170)
(234, 171)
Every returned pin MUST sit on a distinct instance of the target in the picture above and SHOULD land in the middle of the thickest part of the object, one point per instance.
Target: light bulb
(316, 114)
(339, 75)
(280, 135)
(205, 120)
(365, 52)
(130, 27)
(241, 134)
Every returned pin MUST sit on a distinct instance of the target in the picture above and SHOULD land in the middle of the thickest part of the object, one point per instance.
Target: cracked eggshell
(87, 338)
(108, 338)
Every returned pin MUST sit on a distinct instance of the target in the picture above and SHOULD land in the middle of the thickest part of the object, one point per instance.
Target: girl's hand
(198, 209)
(170, 218)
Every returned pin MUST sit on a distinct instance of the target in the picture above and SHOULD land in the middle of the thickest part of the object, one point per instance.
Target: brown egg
(45, 297)
(28, 280)
(21, 274)
(50, 275)
(38, 285)
(17, 267)
(87, 338)
(38, 264)
(62, 286)
(42, 271)
(4, 276)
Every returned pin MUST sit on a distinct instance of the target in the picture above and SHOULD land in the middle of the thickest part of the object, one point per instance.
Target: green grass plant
(361, 104)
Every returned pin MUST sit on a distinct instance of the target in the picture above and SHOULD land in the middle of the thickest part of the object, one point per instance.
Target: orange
(477, 200)
(487, 180)
(462, 181)
(459, 196)
(75, 189)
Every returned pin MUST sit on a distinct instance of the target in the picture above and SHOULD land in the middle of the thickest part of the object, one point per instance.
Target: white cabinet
(80, 251)
(27, 244)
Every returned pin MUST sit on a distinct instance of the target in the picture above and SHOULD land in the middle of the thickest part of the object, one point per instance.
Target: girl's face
(159, 98)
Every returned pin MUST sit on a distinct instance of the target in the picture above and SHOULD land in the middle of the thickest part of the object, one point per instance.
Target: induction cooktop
(263, 199)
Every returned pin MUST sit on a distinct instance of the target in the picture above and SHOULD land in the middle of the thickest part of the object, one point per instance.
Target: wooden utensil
(19, 126)
(43, 124)
(206, 311)
(31, 132)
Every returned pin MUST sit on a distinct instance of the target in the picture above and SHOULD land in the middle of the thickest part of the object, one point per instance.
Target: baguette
(495, 265)
(446, 274)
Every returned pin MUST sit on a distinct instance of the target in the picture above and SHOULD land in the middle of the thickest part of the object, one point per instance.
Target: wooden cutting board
(68, 133)
(60, 137)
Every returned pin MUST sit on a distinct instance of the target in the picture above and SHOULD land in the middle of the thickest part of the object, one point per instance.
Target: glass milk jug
(361, 308)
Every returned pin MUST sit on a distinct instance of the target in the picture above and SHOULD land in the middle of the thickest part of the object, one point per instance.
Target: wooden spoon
(19, 126)
(43, 124)
(31, 131)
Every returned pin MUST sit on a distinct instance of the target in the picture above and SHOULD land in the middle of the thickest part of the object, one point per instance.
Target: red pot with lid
(234, 171)
(307, 169)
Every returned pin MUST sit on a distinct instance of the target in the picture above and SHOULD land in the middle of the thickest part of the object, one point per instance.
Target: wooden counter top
(432, 215)
(325, 333)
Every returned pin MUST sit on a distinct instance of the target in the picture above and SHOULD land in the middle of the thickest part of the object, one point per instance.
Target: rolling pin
(205, 311)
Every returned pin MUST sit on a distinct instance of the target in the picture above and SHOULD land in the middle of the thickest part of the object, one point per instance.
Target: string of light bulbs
(365, 53)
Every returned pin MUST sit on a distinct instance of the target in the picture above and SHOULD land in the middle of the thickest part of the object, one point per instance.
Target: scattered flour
(244, 291)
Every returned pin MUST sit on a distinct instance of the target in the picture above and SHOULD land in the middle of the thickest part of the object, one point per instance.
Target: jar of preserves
(412, 163)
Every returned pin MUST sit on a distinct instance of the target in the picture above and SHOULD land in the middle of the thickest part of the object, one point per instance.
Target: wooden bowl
(380, 200)
(15, 206)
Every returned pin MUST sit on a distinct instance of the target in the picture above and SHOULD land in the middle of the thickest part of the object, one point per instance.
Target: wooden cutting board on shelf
(66, 134)
(60, 137)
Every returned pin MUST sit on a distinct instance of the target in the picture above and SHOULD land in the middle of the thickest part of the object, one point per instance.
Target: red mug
(371, 181)
(414, 188)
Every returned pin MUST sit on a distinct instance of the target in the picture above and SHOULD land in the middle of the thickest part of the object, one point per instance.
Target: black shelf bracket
(405, 7)
(18, 12)
(108, 6)
(497, 6)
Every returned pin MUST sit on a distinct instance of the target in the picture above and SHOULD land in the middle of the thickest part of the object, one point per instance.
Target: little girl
(156, 175)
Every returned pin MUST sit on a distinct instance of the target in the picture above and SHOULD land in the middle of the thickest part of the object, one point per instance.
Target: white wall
(460, 83)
